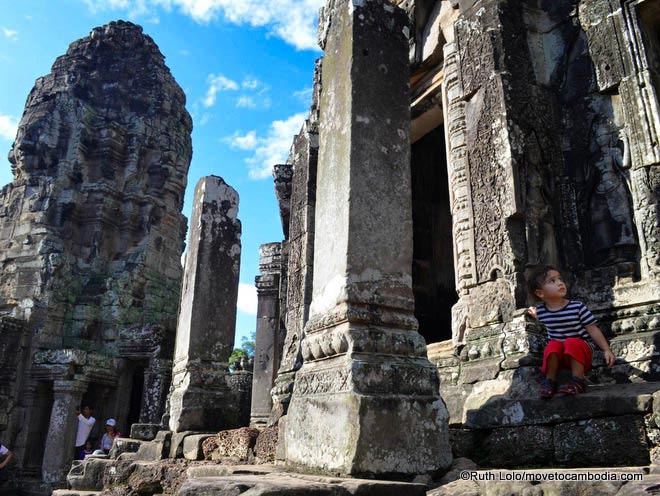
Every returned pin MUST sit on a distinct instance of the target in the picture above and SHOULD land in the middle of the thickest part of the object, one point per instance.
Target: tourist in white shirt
(85, 424)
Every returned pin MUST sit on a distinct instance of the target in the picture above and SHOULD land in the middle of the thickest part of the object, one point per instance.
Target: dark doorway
(40, 420)
(99, 398)
(137, 389)
(433, 257)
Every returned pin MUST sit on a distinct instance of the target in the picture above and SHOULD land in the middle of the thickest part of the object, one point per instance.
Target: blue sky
(246, 67)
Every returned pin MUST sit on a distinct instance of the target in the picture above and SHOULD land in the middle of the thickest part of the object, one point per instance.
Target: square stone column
(267, 346)
(365, 401)
(201, 399)
(61, 440)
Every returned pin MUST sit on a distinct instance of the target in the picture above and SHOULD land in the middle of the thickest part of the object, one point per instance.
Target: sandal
(547, 388)
(574, 386)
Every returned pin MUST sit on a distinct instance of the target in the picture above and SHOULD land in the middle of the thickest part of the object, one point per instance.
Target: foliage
(246, 349)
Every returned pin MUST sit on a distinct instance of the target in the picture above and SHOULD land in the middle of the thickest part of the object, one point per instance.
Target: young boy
(572, 332)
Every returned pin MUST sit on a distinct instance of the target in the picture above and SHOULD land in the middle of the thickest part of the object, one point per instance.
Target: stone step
(602, 427)
(74, 492)
(596, 481)
(599, 401)
(288, 484)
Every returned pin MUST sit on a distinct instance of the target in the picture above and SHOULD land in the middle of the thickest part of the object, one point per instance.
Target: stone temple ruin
(92, 235)
(452, 147)
(533, 132)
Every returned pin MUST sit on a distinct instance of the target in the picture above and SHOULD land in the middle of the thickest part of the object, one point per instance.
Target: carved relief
(609, 200)
(458, 172)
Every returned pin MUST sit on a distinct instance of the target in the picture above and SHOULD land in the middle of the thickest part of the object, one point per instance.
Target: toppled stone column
(267, 349)
(61, 438)
(200, 397)
(366, 398)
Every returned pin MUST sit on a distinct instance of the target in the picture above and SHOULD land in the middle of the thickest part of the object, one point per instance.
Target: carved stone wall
(300, 244)
(550, 113)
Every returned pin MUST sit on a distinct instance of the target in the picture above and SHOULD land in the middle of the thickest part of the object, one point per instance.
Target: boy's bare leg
(552, 365)
(577, 369)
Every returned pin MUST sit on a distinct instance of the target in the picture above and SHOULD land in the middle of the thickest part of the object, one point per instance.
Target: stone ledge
(73, 492)
(599, 401)
(297, 484)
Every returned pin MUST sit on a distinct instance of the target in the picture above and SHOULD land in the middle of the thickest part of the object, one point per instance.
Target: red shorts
(571, 347)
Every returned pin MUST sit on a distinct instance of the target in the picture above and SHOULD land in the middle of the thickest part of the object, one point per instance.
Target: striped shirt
(569, 321)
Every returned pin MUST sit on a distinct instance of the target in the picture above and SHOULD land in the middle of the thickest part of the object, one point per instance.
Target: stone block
(601, 442)
(147, 478)
(266, 445)
(192, 446)
(235, 443)
(493, 409)
(145, 432)
(176, 443)
(157, 449)
(517, 447)
(457, 488)
(479, 370)
(296, 485)
(88, 474)
(124, 445)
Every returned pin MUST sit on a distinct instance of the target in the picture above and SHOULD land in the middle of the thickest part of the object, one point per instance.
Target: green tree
(246, 349)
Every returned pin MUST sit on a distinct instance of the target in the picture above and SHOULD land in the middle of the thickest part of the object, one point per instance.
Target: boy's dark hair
(538, 277)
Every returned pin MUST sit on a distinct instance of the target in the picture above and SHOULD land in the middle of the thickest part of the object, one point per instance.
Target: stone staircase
(613, 426)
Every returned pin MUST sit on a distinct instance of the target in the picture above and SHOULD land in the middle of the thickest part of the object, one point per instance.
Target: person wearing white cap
(111, 433)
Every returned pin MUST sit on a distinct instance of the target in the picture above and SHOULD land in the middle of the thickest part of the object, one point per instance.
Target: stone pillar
(300, 263)
(200, 398)
(267, 346)
(365, 401)
(61, 440)
(157, 378)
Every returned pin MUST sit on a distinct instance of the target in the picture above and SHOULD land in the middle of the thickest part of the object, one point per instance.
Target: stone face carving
(91, 235)
(207, 314)
(361, 351)
(100, 163)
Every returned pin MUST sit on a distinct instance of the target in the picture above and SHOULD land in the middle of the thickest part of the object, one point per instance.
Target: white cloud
(294, 21)
(247, 298)
(243, 142)
(184, 52)
(8, 127)
(10, 33)
(218, 83)
(245, 102)
(271, 149)
(250, 84)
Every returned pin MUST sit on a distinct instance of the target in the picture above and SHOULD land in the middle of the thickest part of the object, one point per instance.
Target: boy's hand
(609, 358)
(532, 311)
